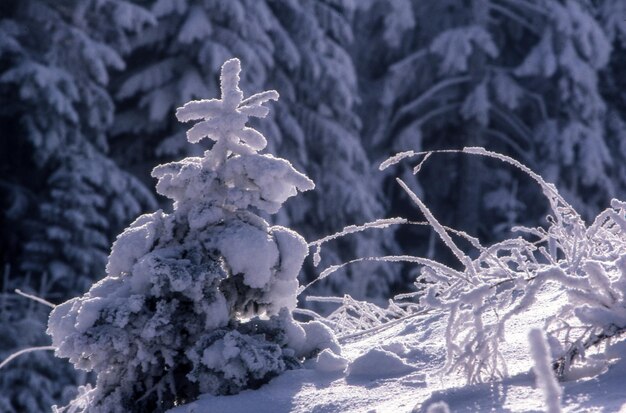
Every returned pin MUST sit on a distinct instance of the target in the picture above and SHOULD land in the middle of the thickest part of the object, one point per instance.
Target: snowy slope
(397, 369)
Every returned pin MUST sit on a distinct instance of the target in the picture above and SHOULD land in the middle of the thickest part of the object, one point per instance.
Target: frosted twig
(549, 190)
(418, 167)
(24, 351)
(34, 298)
(386, 222)
(306, 313)
(389, 258)
(351, 229)
(379, 223)
(395, 159)
(319, 299)
(382, 326)
(445, 237)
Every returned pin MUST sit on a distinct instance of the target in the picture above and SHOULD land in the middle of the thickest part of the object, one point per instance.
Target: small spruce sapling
(198, 300)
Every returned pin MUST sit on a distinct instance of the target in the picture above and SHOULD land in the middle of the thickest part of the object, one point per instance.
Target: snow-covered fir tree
(62, 199)
(197, 300)
(299, 48)
(570, 140)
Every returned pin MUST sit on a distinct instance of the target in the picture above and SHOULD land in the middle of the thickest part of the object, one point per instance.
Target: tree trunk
(471, 168)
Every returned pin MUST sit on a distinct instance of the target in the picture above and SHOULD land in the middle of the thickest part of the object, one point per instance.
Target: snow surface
(397, 369)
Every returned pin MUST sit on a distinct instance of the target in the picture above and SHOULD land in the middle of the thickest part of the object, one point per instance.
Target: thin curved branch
(398, 66)
(511, 15)
(516, 147)
(413, 105)
(525, 4)
(515, 123)
(24, 351)
(438, 111)
(540, 102)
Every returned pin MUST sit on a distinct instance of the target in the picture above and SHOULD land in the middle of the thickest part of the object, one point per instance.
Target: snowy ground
(396, 369)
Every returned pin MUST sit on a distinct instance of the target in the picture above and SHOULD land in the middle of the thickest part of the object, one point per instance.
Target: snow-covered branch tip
(224, 120)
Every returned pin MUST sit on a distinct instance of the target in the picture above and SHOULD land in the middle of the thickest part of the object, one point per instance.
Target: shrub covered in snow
(587, 261)
(486, 289)
(200, 299)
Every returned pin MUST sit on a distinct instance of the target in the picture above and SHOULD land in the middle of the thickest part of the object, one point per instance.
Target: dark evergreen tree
(613, 87)
(61, 197)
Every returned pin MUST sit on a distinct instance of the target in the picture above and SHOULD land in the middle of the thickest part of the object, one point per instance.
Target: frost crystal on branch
(198, 300)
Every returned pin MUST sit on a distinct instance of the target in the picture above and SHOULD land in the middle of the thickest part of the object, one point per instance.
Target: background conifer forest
(89, 91)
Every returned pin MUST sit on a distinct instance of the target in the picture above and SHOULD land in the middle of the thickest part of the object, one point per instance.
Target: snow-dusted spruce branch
(587, 261)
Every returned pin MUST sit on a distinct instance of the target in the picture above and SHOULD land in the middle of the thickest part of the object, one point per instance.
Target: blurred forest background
(88, 90)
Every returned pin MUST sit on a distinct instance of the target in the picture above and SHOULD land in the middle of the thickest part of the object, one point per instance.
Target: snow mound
(327, 361)
(378, 363)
